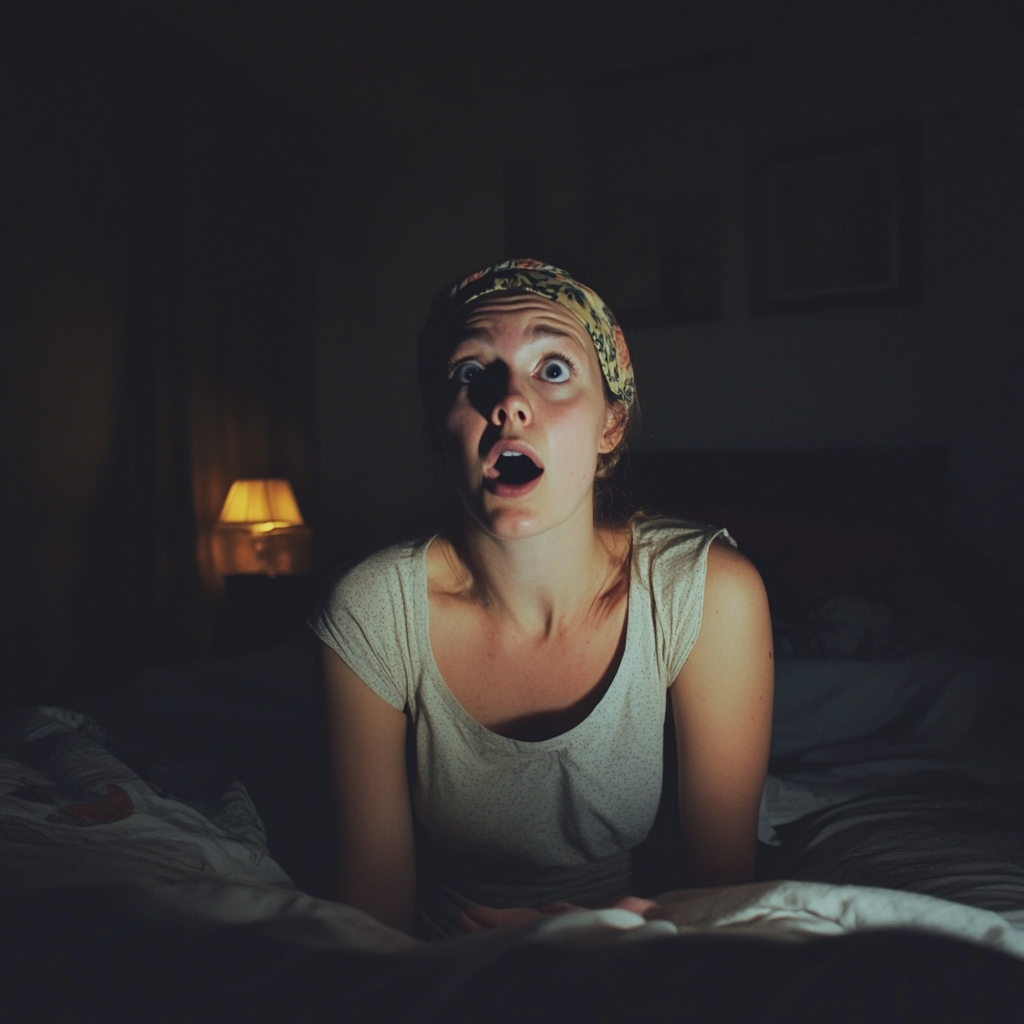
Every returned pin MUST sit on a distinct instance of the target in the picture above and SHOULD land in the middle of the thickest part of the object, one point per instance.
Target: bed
(167, 850)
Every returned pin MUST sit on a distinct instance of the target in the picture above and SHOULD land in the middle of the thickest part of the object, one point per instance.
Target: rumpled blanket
(76, 824)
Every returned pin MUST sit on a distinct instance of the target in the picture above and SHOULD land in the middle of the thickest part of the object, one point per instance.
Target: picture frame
(836, 222)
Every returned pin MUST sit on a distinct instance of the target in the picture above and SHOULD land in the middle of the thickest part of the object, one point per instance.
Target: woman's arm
(722, 708)
(371, 796)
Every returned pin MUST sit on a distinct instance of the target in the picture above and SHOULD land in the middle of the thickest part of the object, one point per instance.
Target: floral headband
(518, 276)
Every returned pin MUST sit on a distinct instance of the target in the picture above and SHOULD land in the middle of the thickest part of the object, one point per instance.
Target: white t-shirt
(507, 822)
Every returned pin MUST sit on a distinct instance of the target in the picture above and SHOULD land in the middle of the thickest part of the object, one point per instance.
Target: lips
(512, 469)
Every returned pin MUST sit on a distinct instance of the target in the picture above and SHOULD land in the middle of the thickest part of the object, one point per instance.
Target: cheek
(460, 433)
(456, 423)
(575, 437)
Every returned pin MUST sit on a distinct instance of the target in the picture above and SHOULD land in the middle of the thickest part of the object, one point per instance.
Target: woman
(497, 695)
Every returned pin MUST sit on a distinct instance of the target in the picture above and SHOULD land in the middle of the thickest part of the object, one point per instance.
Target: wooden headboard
(892, 487)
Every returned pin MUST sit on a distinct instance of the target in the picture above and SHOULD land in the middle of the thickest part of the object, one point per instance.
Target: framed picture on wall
(836, 222)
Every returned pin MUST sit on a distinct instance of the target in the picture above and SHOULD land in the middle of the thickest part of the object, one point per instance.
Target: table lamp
(261, 531)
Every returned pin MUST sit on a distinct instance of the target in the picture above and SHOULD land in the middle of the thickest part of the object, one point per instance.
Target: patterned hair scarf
(516, 277)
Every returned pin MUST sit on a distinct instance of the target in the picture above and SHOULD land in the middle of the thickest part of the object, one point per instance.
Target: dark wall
(943, 370)
(946, 369)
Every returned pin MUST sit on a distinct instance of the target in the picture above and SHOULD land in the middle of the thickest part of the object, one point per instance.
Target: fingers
(467, 924)
(475, 918)
(560, 907)
(636, 904)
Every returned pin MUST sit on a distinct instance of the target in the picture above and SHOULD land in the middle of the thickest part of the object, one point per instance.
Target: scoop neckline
(489, 734)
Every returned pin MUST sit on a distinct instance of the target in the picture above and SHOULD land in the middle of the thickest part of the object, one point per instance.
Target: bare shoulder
(735, 623)
(731, 579)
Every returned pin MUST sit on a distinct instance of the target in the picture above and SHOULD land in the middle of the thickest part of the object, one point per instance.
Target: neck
(547, 581)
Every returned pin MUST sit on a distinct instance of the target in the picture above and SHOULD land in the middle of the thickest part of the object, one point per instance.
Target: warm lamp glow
(261, 531)
(262, 505)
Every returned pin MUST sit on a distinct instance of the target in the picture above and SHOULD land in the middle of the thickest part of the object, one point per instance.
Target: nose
(511, 408)
(495, 394)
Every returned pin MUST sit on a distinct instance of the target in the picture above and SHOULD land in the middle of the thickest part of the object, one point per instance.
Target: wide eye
(556, 371)
(467, 372)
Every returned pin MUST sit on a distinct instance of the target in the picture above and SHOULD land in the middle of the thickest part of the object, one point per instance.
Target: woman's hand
(475, 918)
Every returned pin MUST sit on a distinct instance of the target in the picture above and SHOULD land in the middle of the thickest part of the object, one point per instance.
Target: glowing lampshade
(261, 503)
(261, 531)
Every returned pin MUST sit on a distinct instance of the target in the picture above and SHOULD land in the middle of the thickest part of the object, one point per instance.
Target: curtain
(216, 376)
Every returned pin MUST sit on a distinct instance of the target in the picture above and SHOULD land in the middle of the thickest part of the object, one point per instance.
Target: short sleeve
(676, 556)
(368, 619)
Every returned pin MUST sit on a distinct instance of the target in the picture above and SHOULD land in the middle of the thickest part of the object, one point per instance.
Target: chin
(519, 519)
(513, 524)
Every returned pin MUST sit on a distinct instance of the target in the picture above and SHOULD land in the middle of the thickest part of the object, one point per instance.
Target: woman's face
(526, 415)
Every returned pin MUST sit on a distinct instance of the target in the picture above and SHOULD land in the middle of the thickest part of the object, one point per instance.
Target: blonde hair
(613, 501)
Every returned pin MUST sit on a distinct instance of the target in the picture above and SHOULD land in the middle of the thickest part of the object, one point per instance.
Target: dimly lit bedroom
(511, 513)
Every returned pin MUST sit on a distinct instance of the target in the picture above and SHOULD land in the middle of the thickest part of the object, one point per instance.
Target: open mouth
(516, 468)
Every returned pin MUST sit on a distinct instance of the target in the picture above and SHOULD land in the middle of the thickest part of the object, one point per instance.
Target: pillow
(844, 711)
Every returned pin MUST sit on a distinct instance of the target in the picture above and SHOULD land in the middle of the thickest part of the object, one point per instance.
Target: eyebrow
(560, 332)
(537, 331)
